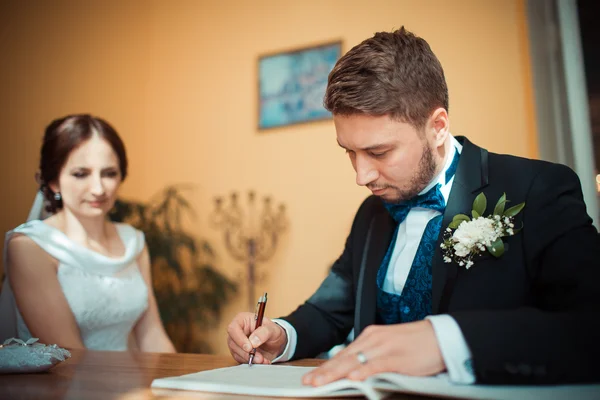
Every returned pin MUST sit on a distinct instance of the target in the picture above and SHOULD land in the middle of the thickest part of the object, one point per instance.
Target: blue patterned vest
(414, 303)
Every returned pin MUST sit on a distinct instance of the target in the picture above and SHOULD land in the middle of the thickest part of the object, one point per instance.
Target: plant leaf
(499, 209)
(480, 203)
(455, 224)
(514, 210)
(475, 214)
(497, 248)
(189, 290)
(461, 217)
(517, 230)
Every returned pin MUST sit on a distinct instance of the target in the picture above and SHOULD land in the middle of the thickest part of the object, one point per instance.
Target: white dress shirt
(451, 341)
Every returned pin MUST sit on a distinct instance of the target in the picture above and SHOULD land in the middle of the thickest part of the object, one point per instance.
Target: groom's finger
(236, 333)
(242, 356)
(261, 335)
(237, 351)
(375, 366)
(332, 370)
(260, 358)
(239, 359)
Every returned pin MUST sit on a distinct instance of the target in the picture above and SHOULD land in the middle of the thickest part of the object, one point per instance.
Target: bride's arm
(150, 333)
(38, 294)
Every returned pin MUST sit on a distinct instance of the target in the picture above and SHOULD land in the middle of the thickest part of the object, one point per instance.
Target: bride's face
(90, 179)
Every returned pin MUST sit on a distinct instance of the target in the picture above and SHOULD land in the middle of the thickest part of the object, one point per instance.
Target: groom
(521, 306)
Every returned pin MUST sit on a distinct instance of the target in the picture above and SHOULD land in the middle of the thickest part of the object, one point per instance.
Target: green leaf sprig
(501, 217)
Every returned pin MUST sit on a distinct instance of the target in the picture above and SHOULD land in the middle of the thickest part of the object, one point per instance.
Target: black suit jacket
(530, 316)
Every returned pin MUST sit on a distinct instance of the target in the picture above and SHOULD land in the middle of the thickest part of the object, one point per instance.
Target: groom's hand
(269, 339)
(409, 349)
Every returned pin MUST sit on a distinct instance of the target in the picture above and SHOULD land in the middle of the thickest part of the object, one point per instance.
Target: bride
(76, 279)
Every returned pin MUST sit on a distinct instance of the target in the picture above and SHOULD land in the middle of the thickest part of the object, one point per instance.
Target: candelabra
(250, 235)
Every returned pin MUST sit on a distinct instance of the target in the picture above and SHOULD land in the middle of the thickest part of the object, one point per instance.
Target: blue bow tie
(432, 199)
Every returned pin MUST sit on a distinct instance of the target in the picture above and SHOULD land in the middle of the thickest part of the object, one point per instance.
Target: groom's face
(391, 158)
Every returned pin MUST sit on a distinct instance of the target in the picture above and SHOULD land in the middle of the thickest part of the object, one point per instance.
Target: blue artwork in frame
(292, 85)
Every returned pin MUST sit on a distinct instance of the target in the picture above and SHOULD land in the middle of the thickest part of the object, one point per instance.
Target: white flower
(469, 237)
(474, 234)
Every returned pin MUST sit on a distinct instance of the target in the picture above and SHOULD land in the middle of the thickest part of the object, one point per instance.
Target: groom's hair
(64, 135)
(392, 73)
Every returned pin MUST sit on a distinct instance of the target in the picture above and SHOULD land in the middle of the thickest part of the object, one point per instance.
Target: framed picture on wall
(292, 85)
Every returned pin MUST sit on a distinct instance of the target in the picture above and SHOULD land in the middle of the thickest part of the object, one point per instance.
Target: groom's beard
(424, 175)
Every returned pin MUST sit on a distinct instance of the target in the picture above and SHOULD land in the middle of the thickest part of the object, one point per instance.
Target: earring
(57, 196)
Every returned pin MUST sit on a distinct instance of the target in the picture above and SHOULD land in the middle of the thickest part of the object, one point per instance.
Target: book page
(286, 381)
(441, 385)
(263, 380)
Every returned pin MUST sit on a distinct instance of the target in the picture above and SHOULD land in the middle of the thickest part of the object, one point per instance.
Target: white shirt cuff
(454, 348)
(292, 339)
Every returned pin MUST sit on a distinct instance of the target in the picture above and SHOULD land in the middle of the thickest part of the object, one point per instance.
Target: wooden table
(118, 375)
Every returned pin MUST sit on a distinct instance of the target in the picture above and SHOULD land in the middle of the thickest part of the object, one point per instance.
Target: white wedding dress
(106, 295)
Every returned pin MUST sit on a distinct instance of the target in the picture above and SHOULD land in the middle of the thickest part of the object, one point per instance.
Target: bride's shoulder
(22, 249)
(123, 227)
(28, 226)
(130, 234)
(28, 231)
(19, 240)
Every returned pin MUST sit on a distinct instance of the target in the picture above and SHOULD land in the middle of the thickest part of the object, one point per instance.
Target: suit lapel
(471, 176)
(379, 237)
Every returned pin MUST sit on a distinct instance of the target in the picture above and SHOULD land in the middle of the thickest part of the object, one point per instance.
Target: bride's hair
(61, 137)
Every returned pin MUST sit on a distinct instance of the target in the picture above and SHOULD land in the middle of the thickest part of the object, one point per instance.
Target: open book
(286, 381)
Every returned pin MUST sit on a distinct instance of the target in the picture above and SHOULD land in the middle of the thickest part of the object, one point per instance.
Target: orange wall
(178, 81)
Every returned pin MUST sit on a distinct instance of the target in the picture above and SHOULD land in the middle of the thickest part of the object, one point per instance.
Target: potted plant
(190, 292)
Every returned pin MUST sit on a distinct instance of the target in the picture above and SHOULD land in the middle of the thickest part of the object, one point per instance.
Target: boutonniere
(466, 237)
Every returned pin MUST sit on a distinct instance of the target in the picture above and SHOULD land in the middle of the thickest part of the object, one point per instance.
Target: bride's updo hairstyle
(64, 135)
